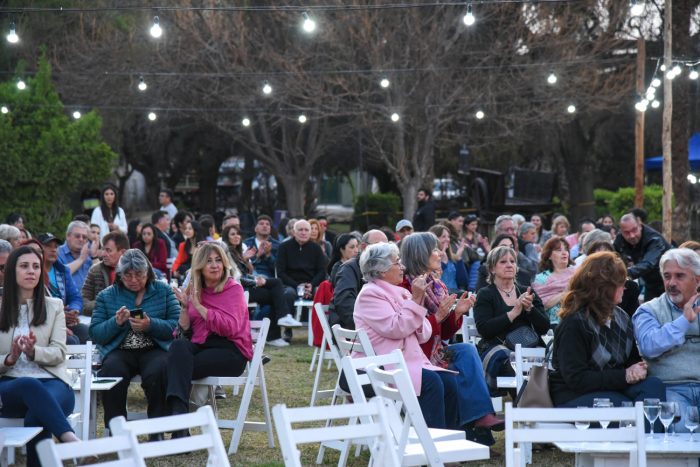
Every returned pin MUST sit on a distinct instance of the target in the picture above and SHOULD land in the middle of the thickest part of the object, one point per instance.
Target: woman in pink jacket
(214, 319)
(395, 318)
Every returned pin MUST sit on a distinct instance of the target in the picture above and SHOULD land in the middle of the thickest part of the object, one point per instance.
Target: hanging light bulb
(152, 116)
(692, 179)
(670, 74)
(662, 67)
(636, 7)
(395, 117)
(552, 78)
(77, 114)
(245, 122)
(385, 83)
(309, 25)
(156, 30)
(571, 108)
(479, 114)
(21, 85)
(655, 104)
(142, 84)
(677, 70)
(693, 74)
(267, 89)
(4, 109)
(12, 37)
(656, 82)
(641, 106)
(469, 18)
(302, 118)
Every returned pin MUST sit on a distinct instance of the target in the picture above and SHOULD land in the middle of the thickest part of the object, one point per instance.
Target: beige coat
(50, 348)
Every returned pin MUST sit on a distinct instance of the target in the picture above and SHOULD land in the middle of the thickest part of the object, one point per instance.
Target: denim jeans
(473, 394)
(438, 399)
(686, 395)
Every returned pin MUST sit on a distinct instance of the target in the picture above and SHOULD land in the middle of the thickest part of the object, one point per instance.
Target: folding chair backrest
(526, 358)
(320, 311)
(535, 425)
(352, 340)
(52, 454)
(80, 359)
(373, 428)
(203, 418)
(396, 385)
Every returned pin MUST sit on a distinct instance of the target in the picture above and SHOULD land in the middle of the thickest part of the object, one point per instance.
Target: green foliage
(376, 209)
(45, 156)
(619, 202)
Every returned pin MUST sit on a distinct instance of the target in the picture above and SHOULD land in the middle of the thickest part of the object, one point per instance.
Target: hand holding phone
(136, 313)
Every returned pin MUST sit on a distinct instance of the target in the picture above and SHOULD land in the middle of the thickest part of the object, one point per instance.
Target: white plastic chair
(374, 429)
(317, 350)
(331, 353)
(352, 340)
(537, 425)
(252, 377)
(52, 454)
(396, 386)
(203, 418)
(79, 358)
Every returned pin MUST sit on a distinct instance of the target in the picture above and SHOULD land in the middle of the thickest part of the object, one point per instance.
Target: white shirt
(171, 209)
(119, 220)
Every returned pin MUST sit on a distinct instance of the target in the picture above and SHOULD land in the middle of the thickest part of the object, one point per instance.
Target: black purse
(523, 335)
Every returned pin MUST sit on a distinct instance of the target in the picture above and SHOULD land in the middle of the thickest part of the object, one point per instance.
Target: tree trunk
(294, 191)
(408, 194)
(666, 137)
(578, 163)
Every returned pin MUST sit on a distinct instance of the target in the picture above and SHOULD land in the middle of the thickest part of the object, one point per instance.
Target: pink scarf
(556, 284)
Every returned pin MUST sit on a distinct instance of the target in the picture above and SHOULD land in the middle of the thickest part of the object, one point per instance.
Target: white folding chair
(252, 377)
(52, 454)
(468, 330)
(317, 350)
(537, 425)
(203, 418)
(525, 358)
(352, 340)
(374, 430)
(330, 353)
(396, 386)
(79, 358)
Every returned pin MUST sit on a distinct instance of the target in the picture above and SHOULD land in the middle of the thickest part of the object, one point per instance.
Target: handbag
(535, 391)
(523, 335)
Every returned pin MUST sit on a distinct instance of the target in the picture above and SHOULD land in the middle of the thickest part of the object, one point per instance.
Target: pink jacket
(393, 321)
(227, 316)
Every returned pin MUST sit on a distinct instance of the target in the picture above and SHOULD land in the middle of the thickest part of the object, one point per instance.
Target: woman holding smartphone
(132, 325)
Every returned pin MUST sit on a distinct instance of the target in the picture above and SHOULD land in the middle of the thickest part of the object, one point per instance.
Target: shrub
(376, 209)
(621, 201)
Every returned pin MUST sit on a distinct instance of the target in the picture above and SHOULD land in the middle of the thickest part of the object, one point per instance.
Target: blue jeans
(473, 394)
(438, 399)
(44, 402)
(687, 395)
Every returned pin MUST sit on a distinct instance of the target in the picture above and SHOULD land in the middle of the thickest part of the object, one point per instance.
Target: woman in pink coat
(395, 319)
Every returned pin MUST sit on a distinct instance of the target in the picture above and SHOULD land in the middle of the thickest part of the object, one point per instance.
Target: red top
(158, 256)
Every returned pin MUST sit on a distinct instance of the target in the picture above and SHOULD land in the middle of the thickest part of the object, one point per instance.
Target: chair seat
(450, 451)
(438, 434)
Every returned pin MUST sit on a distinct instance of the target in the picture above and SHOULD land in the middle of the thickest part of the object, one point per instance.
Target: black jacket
(645, 256)
(347, 284)
(298, 264)
(424, 218)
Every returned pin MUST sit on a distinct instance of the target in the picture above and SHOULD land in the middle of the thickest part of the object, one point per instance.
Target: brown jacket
(96, 281)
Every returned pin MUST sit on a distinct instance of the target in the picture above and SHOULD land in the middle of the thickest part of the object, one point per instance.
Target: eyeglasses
(134, 275)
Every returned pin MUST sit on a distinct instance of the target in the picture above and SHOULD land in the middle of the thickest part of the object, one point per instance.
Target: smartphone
(136, 313)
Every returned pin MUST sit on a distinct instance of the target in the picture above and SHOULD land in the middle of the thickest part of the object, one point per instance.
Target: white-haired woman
(11, 233)
(395, 318)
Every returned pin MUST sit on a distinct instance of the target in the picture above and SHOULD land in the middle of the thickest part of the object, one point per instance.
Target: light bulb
(693, 74)
(152, 116)
(692, 179)
(302, 118)
(650, 96)
(641, 106)
(245, 122)
(571, 108)
(4, 109)
(656, 82)
(309, 25)
(677, 70)
(670, 74)
(77, 114)
(12, 37)
(267, 89)
(142, 84)
(637, 7)
(662, 67)
(480, 114)
(552, 78)
(385, 83)
(655, 104)
(21, 85)
(395, 117)
(469, 18)
(156, 30)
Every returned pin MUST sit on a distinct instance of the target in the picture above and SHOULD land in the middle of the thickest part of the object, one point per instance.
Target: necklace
(507, 292)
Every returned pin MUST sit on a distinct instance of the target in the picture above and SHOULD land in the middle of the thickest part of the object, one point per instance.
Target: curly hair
(546, 258)
(592, 288)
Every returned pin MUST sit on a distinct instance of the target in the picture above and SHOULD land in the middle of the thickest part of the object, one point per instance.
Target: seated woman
(193, 234)
(134, 343)
(155, 249)
(502, 307)
(261, 290)
(454, 273)
(523, 276)
(556, 271)
(346, 247)
(595, 353)
(214, 315)
(396, 319)
(421, 256)
(34, 384)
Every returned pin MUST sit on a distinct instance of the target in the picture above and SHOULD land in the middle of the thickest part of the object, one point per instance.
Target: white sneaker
(289, 322)
(278, 343)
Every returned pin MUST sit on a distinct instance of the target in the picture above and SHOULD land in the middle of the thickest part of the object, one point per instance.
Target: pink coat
(393, 321)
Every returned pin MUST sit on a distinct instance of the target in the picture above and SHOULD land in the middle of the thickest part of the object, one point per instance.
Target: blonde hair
(199, 262)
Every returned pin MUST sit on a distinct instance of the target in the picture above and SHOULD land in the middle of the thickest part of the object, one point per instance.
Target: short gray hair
(5, 246)
(495, 256)
(684, 257)
(526, 227)
(629, 217)
(502, 219)
(74, 224)
(9, 232)
(135, 260)
(594, 236)
(416, 250)
(376, 259)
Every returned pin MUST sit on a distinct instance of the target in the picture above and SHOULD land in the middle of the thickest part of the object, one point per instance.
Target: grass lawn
(289, 382)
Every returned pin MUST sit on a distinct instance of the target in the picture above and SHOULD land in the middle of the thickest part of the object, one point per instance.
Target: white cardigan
(119, 220)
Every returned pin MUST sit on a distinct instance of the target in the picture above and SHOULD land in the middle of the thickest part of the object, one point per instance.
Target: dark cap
(453, 215)
(470, 218)
(48, 237)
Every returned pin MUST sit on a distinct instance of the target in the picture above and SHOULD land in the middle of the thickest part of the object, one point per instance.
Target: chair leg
(313, 359)
(319, 367)
(266, 409)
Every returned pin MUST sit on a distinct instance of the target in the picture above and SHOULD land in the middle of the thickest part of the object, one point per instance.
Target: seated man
(667, 330)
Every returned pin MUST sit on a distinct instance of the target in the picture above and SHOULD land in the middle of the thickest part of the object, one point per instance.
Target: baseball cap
(470, 218)
(402, 224)
(48, 237)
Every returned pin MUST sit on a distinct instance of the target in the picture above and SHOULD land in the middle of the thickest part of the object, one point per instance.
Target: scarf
(555, 284)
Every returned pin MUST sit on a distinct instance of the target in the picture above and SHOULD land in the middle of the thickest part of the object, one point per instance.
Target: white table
(16, 437)
(98, 384)
(679, 452)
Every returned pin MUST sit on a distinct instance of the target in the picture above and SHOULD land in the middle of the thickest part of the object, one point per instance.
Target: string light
(395, 117)
(641, 106)
(693, 74)
(662, 67)
(480, 114)
(571, 108)
(4, 109)
(21, 85)
(156, 30)
(656, 82)
(12, 37)
(469, 18)
(77, 114)
(152, 116)
(142, 84)
(267, 89)
(637, 7)
(677, 70)
(245, 122)
(655, 104)
(552, 78)
(309, 25)
(302, 118)
(385, 83)
(692, 179)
